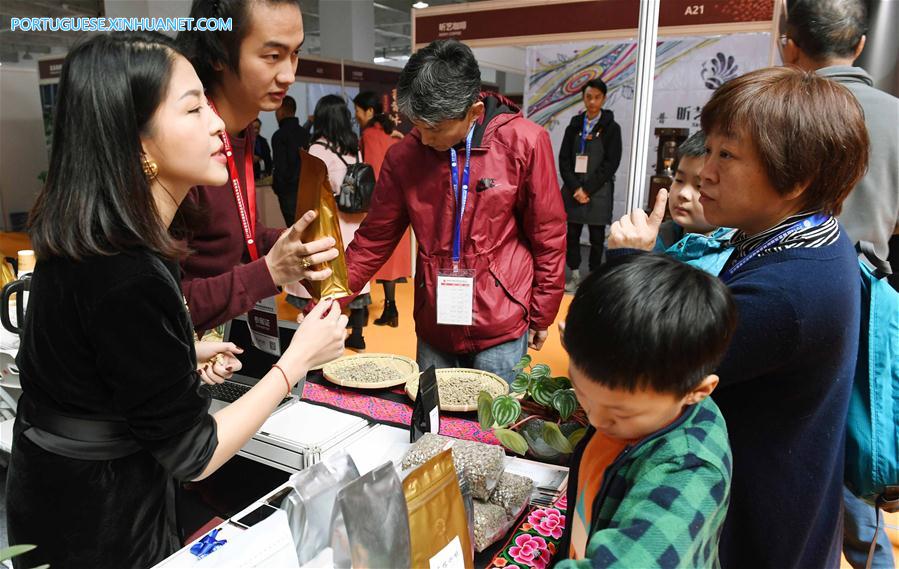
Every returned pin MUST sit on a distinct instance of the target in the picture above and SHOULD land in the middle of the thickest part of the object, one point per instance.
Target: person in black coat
(286, 144)
(262, 154)
(588, 159)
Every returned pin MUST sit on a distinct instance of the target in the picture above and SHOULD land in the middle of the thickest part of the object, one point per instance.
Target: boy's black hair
(693, 147)
(207, 49)
(649, 321)
(596, 84)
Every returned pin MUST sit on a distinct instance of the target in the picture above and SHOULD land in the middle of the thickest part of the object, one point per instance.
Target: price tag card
(455, 297)
(263, 320)
(580, 164)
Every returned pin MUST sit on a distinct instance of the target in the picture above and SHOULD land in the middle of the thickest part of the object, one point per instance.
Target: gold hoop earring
(151, 169)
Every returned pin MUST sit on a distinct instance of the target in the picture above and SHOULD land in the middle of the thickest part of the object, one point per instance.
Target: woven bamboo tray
(407, 368)
(489, 382)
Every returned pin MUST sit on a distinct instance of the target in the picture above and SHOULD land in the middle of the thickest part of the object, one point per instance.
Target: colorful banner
(688, 70)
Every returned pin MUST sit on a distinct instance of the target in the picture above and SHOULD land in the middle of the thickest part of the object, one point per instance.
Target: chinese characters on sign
(450, 29)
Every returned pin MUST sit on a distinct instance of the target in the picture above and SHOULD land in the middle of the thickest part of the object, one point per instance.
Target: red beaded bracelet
(277, 367)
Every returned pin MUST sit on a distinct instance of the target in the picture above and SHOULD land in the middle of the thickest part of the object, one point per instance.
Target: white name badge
(580, 164)
(455, 297)
(263, 321)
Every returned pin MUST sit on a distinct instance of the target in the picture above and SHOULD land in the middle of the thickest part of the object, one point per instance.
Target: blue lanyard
(461, 193)
(585, 131)
(807, 223)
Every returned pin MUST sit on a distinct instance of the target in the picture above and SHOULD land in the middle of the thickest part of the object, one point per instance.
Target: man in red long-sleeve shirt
(237, 261)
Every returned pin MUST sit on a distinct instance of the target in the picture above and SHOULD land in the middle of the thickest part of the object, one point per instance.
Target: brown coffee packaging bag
(438, 523)
(314, 193)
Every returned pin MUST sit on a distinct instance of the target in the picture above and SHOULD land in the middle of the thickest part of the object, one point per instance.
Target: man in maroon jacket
(237, 261)
(490, 230)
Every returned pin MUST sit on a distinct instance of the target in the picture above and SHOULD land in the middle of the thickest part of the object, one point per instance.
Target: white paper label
(450, 557)
(580, 164)
(435, 420)
(263, 321)
(455, 296)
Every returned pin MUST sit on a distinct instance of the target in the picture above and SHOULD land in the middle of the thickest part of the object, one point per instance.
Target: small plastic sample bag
(310, 505)
(370, 524)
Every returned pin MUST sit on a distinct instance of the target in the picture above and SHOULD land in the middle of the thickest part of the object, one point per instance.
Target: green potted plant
(8, 553)
(541, 416)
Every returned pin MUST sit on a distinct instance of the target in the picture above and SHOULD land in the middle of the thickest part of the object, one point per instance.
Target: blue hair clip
(208, 544)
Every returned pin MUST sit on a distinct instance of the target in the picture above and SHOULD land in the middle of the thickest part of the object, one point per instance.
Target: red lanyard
(247, 221)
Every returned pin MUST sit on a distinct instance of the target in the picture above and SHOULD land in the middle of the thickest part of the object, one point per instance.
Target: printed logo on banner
(719, 71)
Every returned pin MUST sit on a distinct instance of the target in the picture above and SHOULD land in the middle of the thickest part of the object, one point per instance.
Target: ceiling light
(420, 5)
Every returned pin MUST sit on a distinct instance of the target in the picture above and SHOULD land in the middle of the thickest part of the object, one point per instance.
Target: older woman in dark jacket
(786, 379)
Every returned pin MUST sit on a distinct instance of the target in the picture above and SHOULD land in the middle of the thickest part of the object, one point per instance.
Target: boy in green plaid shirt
(650, 481)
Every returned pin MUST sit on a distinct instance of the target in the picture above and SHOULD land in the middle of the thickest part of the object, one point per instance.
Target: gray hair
(825, 29)
(439, 82)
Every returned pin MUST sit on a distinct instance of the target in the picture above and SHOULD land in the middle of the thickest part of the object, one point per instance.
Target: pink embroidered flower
(547, 522)
(504, 565)
(530, 551)
(562, 503)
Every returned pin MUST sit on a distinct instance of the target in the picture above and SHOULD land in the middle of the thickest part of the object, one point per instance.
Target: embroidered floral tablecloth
(382, 407)
(535, 541)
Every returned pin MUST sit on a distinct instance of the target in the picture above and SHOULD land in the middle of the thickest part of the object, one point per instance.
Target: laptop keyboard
(230, 391)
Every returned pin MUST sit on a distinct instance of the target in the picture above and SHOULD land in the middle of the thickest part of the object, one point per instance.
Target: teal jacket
(663, 501)
(709, 253)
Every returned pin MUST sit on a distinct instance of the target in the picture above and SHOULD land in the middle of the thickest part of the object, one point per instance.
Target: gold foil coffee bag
(438, 524)
(314, 193)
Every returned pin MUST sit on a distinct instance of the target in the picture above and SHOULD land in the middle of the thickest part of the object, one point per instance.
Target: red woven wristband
(286, 381)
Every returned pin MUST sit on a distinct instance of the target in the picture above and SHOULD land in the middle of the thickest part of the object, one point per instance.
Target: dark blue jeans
(498, 359)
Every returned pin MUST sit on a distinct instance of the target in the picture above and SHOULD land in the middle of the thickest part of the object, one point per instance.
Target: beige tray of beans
(371, 371)
(459, 388)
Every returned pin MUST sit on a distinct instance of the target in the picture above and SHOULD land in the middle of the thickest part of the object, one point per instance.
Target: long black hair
(96, 200)
(369, 100)
(209, 49)
(332, 122)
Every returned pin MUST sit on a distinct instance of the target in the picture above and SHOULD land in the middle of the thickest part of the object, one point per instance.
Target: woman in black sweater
(111, 416)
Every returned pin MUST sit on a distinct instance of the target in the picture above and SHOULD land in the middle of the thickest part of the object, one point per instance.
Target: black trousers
(597, 245)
